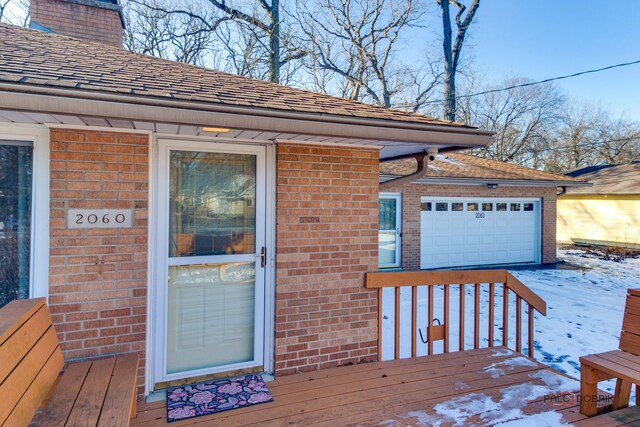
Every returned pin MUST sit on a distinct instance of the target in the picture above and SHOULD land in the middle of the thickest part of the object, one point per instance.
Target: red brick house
(210, 222)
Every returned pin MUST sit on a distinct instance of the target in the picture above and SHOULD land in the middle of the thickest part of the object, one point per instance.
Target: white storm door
(212, 259)
(389, 230)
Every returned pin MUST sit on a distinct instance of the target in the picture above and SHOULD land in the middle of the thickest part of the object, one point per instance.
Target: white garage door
(462, 232)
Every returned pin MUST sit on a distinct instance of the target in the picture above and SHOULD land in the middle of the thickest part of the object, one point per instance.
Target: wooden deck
(473, 388)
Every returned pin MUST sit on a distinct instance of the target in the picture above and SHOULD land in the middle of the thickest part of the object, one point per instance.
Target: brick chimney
(94, 20)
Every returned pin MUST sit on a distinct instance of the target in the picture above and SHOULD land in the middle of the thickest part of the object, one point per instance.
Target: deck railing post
(505, 315)
(491, 312)
(461, 328)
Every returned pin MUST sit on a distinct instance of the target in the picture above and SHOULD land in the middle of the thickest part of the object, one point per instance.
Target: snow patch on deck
(479, 409)
(499, 369)
(499, 352)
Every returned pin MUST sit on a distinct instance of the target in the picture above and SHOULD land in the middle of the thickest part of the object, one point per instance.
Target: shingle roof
(36, 58)
(465, 166)
(609, 179)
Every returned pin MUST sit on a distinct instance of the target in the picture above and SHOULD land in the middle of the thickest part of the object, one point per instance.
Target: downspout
(419, 173)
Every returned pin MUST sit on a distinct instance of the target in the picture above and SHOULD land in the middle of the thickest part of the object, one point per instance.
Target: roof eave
(35, 98)
(485, 181)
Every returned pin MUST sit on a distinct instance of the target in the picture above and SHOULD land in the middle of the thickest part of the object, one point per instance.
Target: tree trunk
(274, 42)
(449, 71)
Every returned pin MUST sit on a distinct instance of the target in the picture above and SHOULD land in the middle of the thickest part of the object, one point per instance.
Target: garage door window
(528, 207)
(389, 231)
(501, 207)
(442, 206)
(472, 207)
(515, 207)
(457, 207)
(487, 207)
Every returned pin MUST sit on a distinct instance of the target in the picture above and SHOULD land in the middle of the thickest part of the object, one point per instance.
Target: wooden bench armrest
(616, 364)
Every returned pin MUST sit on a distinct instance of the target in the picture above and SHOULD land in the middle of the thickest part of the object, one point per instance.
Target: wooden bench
(32, 391)
(622, 364)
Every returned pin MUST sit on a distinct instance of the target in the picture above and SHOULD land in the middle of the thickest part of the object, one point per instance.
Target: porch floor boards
(396, 392)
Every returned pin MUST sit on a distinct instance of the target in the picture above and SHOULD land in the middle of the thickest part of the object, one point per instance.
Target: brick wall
(411, 194)
(98, 277)
(79, 21)
(327, 238)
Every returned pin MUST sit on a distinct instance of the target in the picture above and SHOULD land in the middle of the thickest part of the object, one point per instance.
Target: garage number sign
(99, 218)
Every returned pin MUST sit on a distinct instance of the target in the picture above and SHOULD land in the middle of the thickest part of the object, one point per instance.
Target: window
(442, 206)
(389, 216)
(458, 207)
(501, 207)
(425, 206)
(515, 207)
(472, 207)
(528, 207)
(487, 207)
(16, 194)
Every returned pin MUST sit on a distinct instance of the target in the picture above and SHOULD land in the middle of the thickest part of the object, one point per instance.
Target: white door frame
(398, 198)
(156, 335)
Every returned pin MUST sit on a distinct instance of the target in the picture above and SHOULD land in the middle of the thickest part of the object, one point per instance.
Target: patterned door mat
(209, 397)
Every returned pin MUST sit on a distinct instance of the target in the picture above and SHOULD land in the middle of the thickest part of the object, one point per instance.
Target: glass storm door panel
(389, 231)
(16, 176)
(215, 271)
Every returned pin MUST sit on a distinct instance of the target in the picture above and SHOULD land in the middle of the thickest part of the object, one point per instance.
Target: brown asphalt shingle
(609, 179)
(36, 58)
(458, 165)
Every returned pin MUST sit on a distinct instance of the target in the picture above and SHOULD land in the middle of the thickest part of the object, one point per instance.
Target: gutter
(421, 171)
(30, 98)
(485, 181)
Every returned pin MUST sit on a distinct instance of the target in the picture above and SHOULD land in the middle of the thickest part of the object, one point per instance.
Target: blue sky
(547, 38)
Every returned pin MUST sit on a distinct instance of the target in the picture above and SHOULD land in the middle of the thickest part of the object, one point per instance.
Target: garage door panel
(468, 238)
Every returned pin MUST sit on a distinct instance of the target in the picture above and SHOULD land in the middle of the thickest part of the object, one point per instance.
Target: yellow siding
(599, 217)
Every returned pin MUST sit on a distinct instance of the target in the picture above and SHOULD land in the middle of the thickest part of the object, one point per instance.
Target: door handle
(263, 257)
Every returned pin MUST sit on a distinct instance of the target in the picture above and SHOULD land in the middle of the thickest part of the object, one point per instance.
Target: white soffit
(387, 148)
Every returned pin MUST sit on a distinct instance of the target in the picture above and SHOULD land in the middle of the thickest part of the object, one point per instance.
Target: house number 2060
(99, 218)
(93, 219)
(479, 214)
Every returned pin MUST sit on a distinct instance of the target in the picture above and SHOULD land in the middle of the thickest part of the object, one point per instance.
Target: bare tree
(353, 51)
(14, 12)
(452, 49)
(521, 118)
(619, 140)
(572, 144)
(257, 27)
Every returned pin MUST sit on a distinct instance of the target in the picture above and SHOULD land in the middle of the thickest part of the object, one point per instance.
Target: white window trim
(39, 136)
(398, 199)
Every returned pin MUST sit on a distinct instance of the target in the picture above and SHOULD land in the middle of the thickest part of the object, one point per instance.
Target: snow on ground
(584, 308)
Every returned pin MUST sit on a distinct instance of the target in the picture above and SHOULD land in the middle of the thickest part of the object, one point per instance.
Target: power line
(551, 79)
(585, 144)
(581, 145)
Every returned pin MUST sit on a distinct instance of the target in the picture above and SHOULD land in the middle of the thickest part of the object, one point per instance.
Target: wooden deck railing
(495, 280)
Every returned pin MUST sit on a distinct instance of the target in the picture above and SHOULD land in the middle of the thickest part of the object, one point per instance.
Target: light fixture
(492, 186)
(214, 129)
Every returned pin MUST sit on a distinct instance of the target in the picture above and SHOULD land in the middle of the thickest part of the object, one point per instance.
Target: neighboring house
(607, 213)
(467, 211)
(210, 222)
